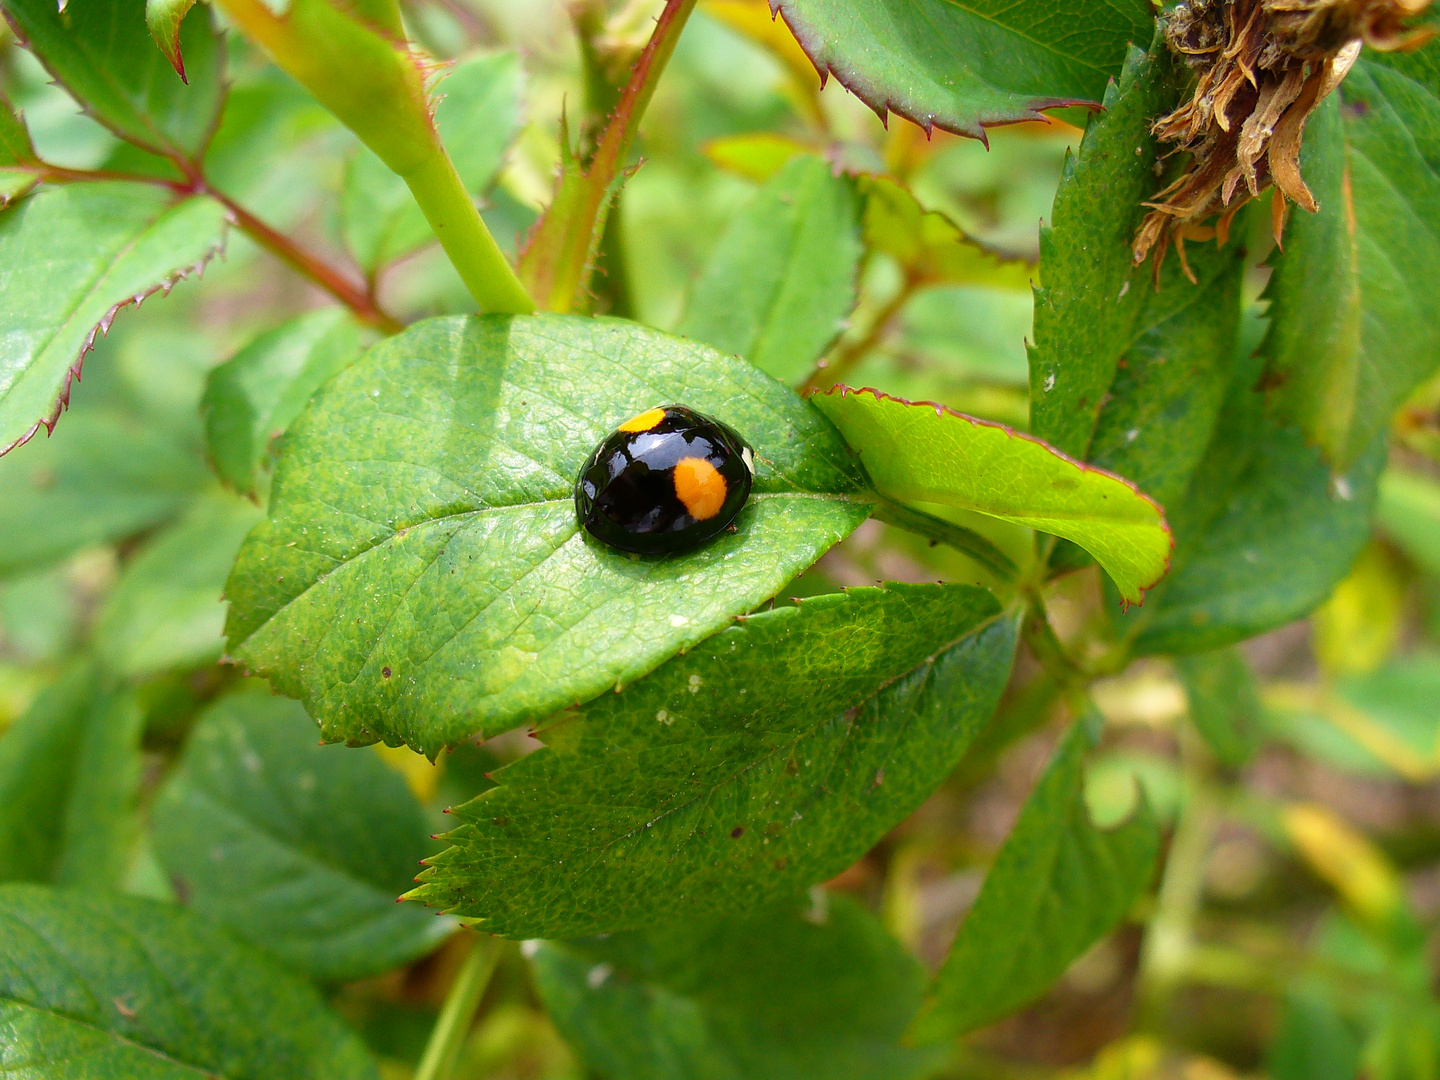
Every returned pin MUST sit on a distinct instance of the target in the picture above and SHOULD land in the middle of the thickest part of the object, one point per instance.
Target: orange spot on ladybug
(700, 487)
(644, 422)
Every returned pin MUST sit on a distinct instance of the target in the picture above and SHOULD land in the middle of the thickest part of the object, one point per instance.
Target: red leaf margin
(102, 328)
(1083, 466)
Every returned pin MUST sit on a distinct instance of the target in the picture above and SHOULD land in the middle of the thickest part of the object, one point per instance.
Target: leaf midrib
(600, 848)
(1042, 45)
(861, 497)
(342, 872)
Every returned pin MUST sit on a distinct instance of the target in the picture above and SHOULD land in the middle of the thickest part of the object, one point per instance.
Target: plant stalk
(560, 254)
(303, 262)
(966, 541)
(457, 224)
(1050, 651)
(834, 369)
(357, 299)
(368, 77)
(442, 1052)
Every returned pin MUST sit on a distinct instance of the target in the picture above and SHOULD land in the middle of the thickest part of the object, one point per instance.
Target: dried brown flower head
(1262, 67)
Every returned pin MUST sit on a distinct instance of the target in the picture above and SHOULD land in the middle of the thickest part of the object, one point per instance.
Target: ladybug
(667, 480)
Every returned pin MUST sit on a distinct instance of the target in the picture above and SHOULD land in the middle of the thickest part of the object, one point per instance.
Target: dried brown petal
(1262, 67)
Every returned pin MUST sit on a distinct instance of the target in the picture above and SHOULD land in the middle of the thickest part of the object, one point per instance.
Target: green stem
(355, 62)
(442, 1052)
(967, 541)
(1170, 950)
(1050, 651)
(835, 368)
(451, 211)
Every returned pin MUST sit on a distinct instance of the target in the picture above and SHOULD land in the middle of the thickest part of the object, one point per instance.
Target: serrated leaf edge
(883, 104)
(102, 328)
(429, 880)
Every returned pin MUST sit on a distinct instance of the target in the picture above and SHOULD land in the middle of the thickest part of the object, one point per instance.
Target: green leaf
(927, 453)
(1126, 373)
(255, 395)
(770, 757)
(1162, 406)
(1057, 887)
(781, 282)
(1262, 535)
(15, 145)
(1224, 703)
(108, 477)
(69, 779)
(300, 849)
(929, 247)
(164, 17)
(1408, 510)
(1086, 309)
(1354, 294)
(478, 115)
(422, 577)
(165, 612)
(102, 53)
(15, 184)
(1314, 1041)
(965, 66)
(780, 995)
(121, 987)
(70, 259)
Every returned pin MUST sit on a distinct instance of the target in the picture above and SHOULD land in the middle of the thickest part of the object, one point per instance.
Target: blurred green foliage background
(1294, 932)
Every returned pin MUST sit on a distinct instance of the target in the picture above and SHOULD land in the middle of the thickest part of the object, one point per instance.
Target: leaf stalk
(447, 1039)
(966, 541)
(299, 259)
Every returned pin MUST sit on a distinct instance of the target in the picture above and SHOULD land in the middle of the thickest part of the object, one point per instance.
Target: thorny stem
(447, 1039)
(834, 369)
(635, 99)
(557, 260)
(278, 244)
(966, 541)
(358, 300)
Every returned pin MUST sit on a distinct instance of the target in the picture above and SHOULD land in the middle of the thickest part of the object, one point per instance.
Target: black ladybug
(667, 480)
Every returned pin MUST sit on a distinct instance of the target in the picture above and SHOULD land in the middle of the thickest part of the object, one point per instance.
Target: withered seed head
(1262, 67)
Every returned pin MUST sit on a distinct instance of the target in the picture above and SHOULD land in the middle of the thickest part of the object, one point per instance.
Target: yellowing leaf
(754, 19)
(1347, 860)
(756, 157)
(1358, 627)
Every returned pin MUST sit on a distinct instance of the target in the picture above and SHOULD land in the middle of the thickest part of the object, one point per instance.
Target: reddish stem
(357, 299)
(835, 369)
(625, 121)
(555, 264)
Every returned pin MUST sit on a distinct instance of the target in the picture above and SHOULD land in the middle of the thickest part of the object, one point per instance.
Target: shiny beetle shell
(667, 480)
